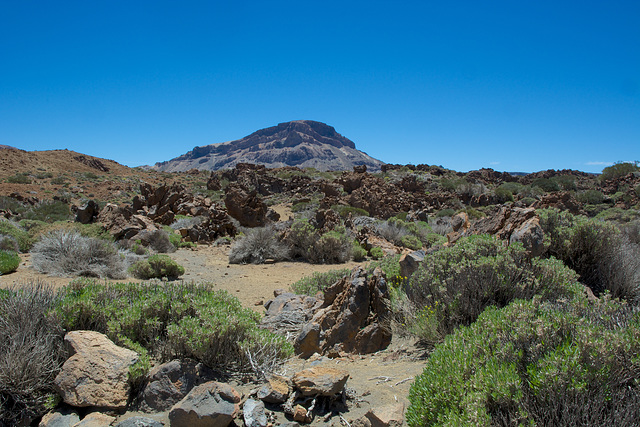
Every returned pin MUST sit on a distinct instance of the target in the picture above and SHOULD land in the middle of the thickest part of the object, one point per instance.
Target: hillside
(301, 143)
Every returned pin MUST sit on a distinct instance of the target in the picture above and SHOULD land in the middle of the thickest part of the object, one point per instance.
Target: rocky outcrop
(97, 372)
(564, 201)
(353, 318)
(247, 208)
(211, 404)
(514, 225)
(88, 212)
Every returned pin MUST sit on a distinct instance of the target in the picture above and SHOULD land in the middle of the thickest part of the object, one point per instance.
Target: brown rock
(276, 390)
(386, 416)
(320, 381)
(300, 414)
(245, 207)
(97, 373)
(96, 419)
(354, 317)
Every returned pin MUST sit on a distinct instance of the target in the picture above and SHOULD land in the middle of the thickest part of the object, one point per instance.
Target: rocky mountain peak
(301, 143)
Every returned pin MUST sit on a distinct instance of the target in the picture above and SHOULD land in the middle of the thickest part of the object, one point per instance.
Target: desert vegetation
(524, 296)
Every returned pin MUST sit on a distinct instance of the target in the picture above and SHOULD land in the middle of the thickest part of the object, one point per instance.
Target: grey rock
(139, 422)
(254, 413)
(211, 404)
(60, 418)
(170, 382)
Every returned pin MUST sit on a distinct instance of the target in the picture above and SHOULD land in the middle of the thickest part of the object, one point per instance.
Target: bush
(333, 247)
(9, 262)
(358, 253)
(11, 229)
(300, 238)
(503, 194)
(411, 242)
(176, 320)
(456, 284)
(63, 253)
(619, 170)
(318, 282)
(258, 245)
(49, 212)
(392, 230)
(592, 197)
(566, 182)
(445, 213)
(156, 267)
(596, 250)
(377, 253)
(160, 241)
(186, 222)
(31, 353)
(19, 179)
(534, 363)
(8, 243)
(344, 211)
(12, 205)
(546, 184)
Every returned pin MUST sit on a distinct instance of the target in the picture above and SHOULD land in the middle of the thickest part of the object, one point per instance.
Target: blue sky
(512, 85)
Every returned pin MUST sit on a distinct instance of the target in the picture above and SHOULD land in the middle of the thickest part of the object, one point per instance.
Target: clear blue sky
(513, 85)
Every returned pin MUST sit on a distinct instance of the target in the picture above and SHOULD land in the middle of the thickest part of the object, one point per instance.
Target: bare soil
(375, 379)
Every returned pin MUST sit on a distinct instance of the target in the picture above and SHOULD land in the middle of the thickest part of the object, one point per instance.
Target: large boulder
(320, 381)
(211, 404)
(354, 317)
(97, 373)
(246, 207)
(170, 382)
(88, 212)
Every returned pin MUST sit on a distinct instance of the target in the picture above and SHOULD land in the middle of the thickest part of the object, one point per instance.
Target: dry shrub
(258, 245)
(158, 240)
(62, 253)
(31, 352)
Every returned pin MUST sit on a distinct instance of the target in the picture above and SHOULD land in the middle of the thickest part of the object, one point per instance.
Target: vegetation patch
(156, 267)
(9, 261)
(318, 282)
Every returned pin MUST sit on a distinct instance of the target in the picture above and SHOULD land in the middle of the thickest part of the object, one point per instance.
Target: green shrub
(592, 197)
(503, 194)
(596, 250)
(8, 243)
(534, 363)
(318, 282)
(49, 212)
(176, 320)
(156, 266)
(31, 353)
(546, 184)
(566, 182)
(376, 253)
(411, 242)
(59, 180)
(258, 245)
(9, 262)
(12, 205)
(637, 190)
(300, 238)
(619, 170)
(13, 230)
(333, 247)
(618, 214)
(358, 252)
(458, 283)
(19, 179)
(448, 212)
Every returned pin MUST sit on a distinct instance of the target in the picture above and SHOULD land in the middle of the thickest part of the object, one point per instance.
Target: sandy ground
(377, 379)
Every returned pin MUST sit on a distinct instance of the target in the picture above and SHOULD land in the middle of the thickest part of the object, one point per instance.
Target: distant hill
(301, 143)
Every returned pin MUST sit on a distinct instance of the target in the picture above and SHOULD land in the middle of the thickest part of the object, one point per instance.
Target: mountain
(301, 143)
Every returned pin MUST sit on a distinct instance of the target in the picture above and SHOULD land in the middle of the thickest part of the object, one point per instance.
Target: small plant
(592, 197)
(9, 262)
(445, 213)
(8, 243)
(358, 252)
(64, 252)
(546, 184)
(49, 212)
(345, 211)
(258, 245)
(318, 282)
(619, 170)
(333, 247)
(377, 253)
(19, 179)
(411, 242)
(156, 266)
(14, 231)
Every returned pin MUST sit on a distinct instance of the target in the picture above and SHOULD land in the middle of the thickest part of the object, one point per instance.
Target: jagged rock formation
(301, 143)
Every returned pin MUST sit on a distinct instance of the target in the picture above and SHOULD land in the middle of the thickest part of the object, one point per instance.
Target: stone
(211, 404)
(170, 382)
(410, 262)
(254, 413)
(354, 317)
(139, 422)
(97, 373)
(300, 414)
(386, 416)
(60, 418)
(276, 390)
(531, 235)
(246, 207)
(320, 381)
(88, 212)
(96, 419)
